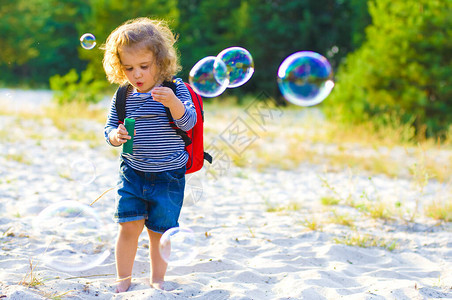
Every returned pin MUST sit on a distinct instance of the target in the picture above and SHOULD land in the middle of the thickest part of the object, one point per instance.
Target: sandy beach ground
(261, 233)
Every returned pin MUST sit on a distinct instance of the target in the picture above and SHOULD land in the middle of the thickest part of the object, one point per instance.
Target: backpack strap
(120, 102)
(208, 157)
(183, 134)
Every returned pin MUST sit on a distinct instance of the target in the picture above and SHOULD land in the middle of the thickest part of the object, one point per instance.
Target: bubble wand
(127, 147)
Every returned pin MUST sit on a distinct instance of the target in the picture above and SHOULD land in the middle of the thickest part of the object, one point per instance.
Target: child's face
(139, 67)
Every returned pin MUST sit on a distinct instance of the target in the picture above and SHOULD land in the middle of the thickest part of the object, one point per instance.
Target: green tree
(279, 28)
(16, 42)
(205, 29)
(271, 30)
(102, 17)
(105, 15)
(39, 39)
(404, 67)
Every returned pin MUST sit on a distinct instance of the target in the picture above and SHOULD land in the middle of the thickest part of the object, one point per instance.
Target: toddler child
(151, 183)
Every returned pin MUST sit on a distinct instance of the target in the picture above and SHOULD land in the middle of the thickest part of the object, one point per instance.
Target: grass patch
(375, 164)
(5, 135)
(374, 146)
(374, 209)
(439, 211)
(94, 139)
(312, 224)
(378, 210)
(69, 118)
(56, 296)
(31, 279)
(388, 133)
(61, 114)
(18, 157)
(291, 206)
(366, 241)
(342, 219)
(329, 200)
(277, 142)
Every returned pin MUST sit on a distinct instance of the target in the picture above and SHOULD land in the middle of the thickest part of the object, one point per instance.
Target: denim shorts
(156, 197)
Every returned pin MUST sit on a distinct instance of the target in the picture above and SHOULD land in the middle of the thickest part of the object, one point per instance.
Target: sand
(261, 234)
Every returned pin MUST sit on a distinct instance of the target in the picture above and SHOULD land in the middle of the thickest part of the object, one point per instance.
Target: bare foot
(164, 285)
(158, 285)
(123, 284)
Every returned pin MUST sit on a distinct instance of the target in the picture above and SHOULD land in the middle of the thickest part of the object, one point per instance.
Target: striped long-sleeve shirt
(156, 146)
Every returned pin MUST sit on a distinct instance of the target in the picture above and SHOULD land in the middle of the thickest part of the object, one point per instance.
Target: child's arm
(118, 136)
(181, 106)
(166, 96)
(115, 134)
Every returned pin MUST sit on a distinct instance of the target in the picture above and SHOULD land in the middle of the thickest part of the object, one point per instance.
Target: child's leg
(158, 265)
(126, 249)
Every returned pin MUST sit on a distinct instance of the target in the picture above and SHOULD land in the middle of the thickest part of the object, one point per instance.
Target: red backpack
(193, 139)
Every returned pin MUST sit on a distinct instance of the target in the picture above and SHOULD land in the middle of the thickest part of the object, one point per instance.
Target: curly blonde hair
(154, 35)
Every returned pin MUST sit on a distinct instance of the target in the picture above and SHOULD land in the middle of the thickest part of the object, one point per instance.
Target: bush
(404, 67)
(74, 88)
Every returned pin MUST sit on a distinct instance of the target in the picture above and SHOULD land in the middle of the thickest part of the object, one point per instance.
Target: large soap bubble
(305, 78)
(239, 63)
(76, 236)
(209, 77)
(178, 246)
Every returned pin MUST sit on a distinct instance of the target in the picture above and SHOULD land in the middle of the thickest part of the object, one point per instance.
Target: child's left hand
(164, 95)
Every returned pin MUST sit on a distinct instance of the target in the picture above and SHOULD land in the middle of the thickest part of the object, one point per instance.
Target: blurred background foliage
(403, 68)
(392, 58)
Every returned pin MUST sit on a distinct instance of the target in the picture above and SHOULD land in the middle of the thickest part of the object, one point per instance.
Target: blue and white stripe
(156, 146)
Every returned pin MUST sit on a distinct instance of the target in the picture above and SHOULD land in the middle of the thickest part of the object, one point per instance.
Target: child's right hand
(119, 136)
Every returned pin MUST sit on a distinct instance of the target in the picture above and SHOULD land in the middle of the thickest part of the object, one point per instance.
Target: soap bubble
(193, 189)
(239, 63)
(209, 77)
(88, 41)
(305, 78)
(178, 246)
(76, 236)
(82, 171)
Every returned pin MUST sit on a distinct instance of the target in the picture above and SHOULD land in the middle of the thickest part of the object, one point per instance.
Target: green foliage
(207, 28)
(100, 18)
(404, 67)
(366, 241)
(402, 72)
(270, 30)
(75, 88)
(16, 44)
(440, 210)
(328, 200)
(104, 16)
(39, 39)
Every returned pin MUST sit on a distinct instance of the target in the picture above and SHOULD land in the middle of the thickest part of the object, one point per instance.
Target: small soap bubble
(76, 236)
(178, 246)
(305, 78)
(209, 77)
(88, 41)
(239, 63)
(193, 189)
(82, 171)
